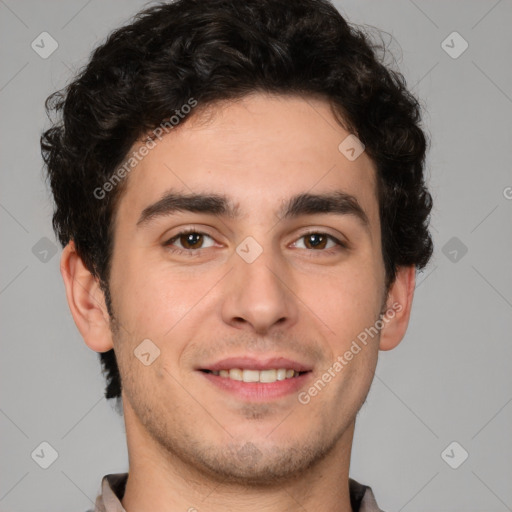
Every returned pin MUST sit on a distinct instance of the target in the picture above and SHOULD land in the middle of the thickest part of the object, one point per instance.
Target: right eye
(190, 240)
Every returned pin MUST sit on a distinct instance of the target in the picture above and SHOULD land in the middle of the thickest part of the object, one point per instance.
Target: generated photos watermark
(304, 397)
(163, 128)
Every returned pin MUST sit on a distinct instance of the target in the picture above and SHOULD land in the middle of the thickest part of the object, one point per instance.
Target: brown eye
(188, 241)
(316, 241)
(191, 240)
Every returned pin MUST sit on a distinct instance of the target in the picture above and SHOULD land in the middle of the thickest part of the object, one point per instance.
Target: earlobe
(398, 308)
(86, 301)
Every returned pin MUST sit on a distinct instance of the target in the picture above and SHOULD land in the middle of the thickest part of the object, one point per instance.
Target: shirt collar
(114, 484)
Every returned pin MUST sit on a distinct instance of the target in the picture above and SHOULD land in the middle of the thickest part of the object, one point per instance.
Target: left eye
(319, 241)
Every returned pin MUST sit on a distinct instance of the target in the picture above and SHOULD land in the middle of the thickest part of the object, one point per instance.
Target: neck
(160, 480)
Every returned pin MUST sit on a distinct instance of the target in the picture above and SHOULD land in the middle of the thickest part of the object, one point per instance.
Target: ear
(398, 308)
(86, 301)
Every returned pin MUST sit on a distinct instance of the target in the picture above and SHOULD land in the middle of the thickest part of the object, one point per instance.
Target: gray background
(449, 380)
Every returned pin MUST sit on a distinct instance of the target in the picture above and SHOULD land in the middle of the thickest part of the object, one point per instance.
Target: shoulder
(362, 498)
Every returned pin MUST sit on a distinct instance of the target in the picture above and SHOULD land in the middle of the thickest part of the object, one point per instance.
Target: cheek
(159, 302)
(348, 298)
(349, 305)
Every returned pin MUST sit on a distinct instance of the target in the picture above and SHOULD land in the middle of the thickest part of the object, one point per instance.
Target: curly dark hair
(223, 50)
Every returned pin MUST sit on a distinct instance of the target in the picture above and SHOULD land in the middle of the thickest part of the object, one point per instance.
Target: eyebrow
(337, 202)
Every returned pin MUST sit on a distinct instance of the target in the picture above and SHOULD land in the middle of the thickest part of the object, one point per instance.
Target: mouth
(256, 380)
(264, 376)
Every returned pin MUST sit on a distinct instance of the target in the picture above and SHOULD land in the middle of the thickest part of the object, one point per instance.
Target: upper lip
(250, 363)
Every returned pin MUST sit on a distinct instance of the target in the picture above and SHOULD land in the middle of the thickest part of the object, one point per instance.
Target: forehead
(258, 151)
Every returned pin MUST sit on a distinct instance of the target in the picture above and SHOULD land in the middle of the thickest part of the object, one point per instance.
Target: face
(260, 283)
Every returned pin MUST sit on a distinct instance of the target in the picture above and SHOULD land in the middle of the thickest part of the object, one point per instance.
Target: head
(242, 107)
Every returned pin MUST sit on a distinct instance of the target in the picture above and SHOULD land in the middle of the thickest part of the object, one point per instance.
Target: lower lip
(259, 391)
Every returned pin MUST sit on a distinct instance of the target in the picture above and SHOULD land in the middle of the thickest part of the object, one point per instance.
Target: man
(240, 195)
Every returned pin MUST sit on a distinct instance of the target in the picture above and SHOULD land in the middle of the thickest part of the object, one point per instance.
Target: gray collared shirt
(113, 487)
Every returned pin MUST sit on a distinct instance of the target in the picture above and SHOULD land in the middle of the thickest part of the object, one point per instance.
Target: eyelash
(195, 252)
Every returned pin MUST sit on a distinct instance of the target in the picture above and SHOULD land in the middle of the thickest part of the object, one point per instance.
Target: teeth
(251, 375)
(281, 374)
(267, 376)
(235, 374)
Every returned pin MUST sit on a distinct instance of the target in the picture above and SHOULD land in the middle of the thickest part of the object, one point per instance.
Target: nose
(259, 295)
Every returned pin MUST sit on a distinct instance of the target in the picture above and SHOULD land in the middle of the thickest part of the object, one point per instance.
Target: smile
(258, 385)
(266, 376)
